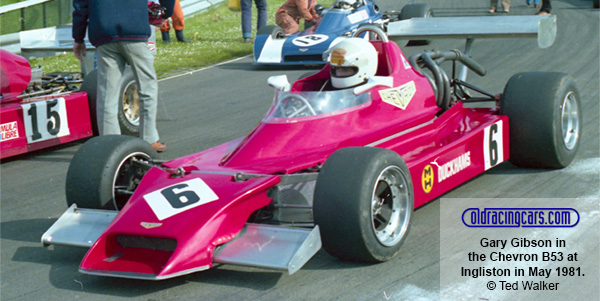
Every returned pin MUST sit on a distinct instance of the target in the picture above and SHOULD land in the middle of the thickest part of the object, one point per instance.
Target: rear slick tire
(544, 113)
(416, 10)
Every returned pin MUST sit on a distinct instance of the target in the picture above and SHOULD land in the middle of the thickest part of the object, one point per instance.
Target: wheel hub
(570, 121)
(127, 178)
(131, 104)
(389, 206)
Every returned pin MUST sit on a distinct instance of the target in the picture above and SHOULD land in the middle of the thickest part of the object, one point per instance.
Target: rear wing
(470, 28)
(541, 27)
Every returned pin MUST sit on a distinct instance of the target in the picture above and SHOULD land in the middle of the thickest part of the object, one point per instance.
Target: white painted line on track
(204, 68)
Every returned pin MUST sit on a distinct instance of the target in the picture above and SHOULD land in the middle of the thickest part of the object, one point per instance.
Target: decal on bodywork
(493, 145)
(452, 167)
(180, 197)
(358, 16)
(45, 120)
(9, 131)
(310, 40)
(427, 178)
(405, 62)
(399, 97)
(150, 225)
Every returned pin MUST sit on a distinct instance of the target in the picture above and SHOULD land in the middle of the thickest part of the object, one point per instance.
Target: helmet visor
(343, 71)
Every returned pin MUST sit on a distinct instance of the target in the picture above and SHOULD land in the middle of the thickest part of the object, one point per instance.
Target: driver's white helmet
(353, 61)
(343, 3)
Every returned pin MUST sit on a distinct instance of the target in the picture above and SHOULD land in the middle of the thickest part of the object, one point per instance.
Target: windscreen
(292, 106)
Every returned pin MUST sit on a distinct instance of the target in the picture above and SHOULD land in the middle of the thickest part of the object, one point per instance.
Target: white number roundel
(309, 40)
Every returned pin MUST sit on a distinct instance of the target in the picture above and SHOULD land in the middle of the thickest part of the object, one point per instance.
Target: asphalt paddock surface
(202, 109)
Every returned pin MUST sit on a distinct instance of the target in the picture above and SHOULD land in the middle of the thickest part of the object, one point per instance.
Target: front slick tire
(544, 113)
(363, 204)
(103, 174)
(273, 30)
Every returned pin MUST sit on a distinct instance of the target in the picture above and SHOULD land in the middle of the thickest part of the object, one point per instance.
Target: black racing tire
(353, 184)
(129, 105)
(273, 30)
(416, 10)
(103, 168)
(545, 118)
(90, 86)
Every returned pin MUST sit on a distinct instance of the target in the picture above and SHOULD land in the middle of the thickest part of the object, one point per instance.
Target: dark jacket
(113, 20)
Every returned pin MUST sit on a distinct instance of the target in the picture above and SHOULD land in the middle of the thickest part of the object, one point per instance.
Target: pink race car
(341, 169)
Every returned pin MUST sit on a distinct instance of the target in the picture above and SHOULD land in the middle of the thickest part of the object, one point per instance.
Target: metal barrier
(34, 14)
(40, 12)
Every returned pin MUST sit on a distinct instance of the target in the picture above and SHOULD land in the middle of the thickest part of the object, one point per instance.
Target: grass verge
(216, 36)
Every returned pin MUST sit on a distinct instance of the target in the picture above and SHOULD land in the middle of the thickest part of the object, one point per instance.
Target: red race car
(47, 114)
(341, 169)
(42, 110)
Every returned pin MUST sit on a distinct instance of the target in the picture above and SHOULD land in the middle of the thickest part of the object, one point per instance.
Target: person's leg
(261, 8)
(506, 5)
(111, 65)
(142, 64)
(546, 8)
(177, 17)
(246, 6)
(178, 23)
(164, 31)
(493, 5)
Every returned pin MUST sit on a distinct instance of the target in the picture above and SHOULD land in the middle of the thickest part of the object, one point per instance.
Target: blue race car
(341, 20)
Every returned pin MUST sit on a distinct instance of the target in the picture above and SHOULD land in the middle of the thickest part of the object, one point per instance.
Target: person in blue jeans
(536, 3)
(246, 6)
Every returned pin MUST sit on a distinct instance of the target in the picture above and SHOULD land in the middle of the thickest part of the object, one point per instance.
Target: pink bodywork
(26, 124)
(440, 151)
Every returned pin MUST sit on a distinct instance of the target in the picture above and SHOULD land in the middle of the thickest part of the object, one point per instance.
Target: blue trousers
(246, 6)
(112, 59)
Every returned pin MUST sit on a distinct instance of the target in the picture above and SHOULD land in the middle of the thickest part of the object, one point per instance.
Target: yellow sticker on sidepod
(399, 97)
(427, 178)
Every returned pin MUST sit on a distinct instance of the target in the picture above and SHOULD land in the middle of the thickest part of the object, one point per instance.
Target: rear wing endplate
(541, 27)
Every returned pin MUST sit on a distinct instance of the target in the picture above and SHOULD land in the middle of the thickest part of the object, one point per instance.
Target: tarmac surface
(207, 107)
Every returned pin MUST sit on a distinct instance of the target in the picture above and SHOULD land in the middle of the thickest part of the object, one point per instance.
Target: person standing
(261, 8)
(505, 6)
(119, 29)
(289, 14)
(178, 25)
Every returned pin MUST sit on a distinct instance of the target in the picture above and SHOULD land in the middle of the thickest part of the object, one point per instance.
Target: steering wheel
(293, 105)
